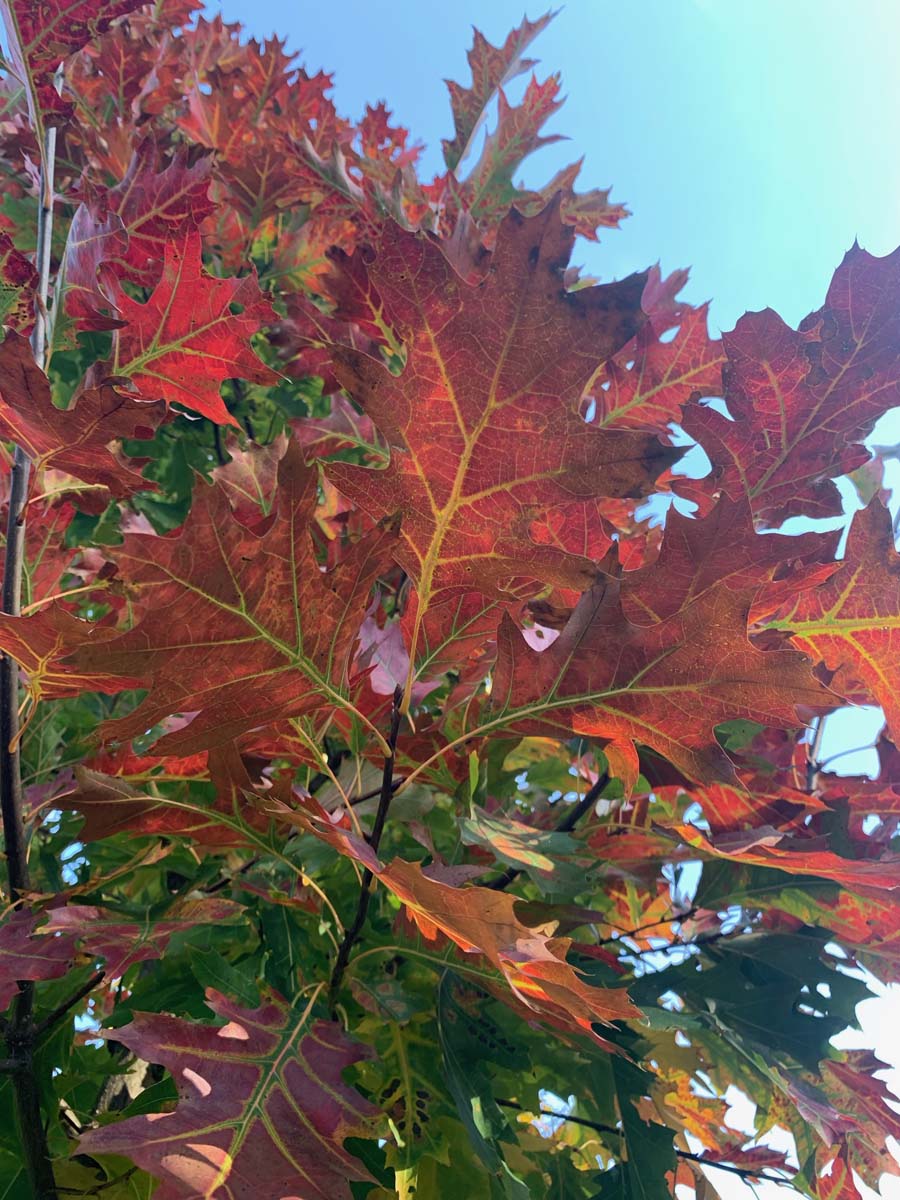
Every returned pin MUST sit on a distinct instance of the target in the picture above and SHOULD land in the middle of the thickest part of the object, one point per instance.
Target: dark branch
(395, 783)
(627, 933)
(599, 1127)
(11, 796)
(566, 825)
(367, 882)
(20, 1032)
(53, 1018)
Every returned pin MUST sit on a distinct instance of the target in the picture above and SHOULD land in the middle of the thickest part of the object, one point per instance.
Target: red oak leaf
(665, 684)
(648, 383)
(851, 622)
(799, 400)
(123, 803)
(28, 954)
(131, 224)
(482, 420)
(46, 556)
(482, 921)
(488, 190)
(797, 856)
(263, 1107)
(187, 338)
(239, 628)
(76, 440)
(492, 68)
(40, 642)
(534, 965)
(718, 549)
(586, 212)
(121, 942)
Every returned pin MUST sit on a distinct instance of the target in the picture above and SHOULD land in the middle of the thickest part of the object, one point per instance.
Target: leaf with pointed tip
(488, 190)
(798, 401)
(717, 550)
(238, 627)
(482, 421)
(187, 338)
(492, 67)
(851, 622)
(853, 1089)
(263, 1107)
(648, 383)
(75, 440)
(131, 224)
(664, 684)
(41, 643)
(729, 809)
(533, 964)
(586, 212)
(833, 1178)
(864, 1101)
(156, 203)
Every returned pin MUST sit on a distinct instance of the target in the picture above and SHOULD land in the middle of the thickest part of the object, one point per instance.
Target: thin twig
(566, 825)
(812, 755)
(370, 795)
(100, 1187)
(599, 1127)
(826, 762)
(627, 933)
(54, 1017)
(374, 839)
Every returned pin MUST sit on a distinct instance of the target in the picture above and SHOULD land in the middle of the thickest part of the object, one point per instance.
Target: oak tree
(411, 777)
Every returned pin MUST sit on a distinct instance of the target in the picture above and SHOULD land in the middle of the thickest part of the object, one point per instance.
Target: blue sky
(753, 140)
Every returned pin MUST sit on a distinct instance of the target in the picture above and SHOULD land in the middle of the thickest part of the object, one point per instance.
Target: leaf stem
(367, 882)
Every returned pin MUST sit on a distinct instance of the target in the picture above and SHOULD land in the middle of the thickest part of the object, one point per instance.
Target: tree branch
(375, 792)
(599, 1127)
(54, 1017)
(627, 933)
(566, 825)
(20, 1035)
(367, 882)
(813, 766)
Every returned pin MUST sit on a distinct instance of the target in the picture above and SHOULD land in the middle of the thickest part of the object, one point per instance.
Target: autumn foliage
(406, 741)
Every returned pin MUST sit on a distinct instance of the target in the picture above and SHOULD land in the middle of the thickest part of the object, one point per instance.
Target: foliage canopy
(387, 766)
